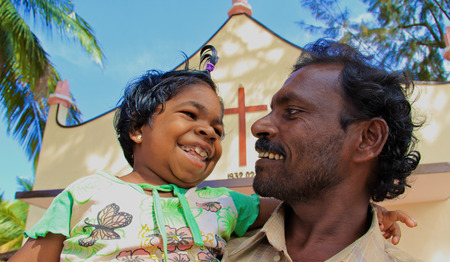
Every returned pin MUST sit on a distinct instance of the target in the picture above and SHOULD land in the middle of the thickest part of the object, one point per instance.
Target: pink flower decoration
(176, 257)
(133, 256)
(180, 238)
(207, 257)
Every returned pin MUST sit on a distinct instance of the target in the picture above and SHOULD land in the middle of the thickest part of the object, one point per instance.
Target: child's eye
(219, 132)
(189, 114)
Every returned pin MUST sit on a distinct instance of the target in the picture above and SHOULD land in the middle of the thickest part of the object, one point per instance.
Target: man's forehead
(310, 80)
(322, 71)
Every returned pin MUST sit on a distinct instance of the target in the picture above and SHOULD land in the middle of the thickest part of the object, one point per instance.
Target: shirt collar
(369, 247)
(273, 226)
(274, 229)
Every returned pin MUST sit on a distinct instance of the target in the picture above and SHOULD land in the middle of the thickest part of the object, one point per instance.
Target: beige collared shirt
(269, 244)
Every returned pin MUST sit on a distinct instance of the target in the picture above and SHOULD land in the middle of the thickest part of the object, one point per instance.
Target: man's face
(301, 142)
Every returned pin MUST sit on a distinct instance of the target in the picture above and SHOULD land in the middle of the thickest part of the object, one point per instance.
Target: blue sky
(136, 36)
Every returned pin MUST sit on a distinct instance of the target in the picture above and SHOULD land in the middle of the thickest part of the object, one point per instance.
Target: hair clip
(209, 54)
(210, 66)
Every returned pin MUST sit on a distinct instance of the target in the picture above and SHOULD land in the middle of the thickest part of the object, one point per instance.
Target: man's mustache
(265, 145)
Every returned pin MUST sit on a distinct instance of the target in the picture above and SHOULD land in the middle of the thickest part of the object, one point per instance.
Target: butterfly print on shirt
(108, 219)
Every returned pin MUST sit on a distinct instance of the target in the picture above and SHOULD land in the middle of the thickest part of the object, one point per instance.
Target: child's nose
(207, 132)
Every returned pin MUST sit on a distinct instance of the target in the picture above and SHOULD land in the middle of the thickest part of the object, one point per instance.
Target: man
(342, 130)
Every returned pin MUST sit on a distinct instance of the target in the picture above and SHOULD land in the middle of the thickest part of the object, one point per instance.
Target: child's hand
(388, 222)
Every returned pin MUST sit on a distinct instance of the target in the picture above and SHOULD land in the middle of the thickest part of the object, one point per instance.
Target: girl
(170, 129)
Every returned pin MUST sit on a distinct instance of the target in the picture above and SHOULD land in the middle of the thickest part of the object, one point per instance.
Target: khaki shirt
(268, 244)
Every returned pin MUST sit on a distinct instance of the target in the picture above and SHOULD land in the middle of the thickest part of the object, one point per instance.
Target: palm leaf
(25, 184)
(26, 74)
(12, 224)
(61, 15)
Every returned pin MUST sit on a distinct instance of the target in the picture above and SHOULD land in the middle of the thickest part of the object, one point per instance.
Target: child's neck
(136, 178)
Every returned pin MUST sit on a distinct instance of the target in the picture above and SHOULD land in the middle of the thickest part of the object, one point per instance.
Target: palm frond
(26, 74)
(26, 57)
(61, 16)
(13, 244)
(25, 118)
(25, 184)
(12, 224)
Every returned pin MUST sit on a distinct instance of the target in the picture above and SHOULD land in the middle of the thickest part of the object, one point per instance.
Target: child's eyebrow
(204, 110)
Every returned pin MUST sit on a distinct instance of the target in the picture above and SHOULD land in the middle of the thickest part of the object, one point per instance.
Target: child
(170, 129)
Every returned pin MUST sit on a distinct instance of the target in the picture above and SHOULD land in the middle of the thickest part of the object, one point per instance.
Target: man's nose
(263, 127)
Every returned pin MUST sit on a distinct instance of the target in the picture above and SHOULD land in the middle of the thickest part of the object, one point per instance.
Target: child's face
(183, 145)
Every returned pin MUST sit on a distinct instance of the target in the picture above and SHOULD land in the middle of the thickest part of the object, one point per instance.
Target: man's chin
(275, 187)
(267, 186)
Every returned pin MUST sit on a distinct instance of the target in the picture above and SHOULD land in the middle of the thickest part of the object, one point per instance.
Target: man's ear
(374, 133)
(136, 135)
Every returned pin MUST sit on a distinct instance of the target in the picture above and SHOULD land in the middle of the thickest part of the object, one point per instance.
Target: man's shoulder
(372, 246)
(396, 254)
(372, 252)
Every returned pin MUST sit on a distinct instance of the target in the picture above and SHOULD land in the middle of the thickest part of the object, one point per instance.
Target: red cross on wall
(241, 110)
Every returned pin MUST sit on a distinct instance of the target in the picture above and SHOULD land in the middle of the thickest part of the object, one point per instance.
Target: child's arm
(388, 222)
(387, 219)
(266, 207)
(46, 248)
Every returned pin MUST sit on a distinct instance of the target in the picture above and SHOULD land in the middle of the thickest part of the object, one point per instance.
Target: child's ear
(373, 136)
(136, 135)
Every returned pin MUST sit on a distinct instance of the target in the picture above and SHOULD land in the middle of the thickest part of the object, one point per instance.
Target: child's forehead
(202, 97)
(196, 88)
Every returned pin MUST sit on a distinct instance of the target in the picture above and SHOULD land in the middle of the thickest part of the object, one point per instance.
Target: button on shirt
(268, 244)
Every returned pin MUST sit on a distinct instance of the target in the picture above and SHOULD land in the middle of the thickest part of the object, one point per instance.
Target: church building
(254, 63)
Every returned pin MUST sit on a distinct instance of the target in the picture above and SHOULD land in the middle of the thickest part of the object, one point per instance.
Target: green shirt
(107, 219)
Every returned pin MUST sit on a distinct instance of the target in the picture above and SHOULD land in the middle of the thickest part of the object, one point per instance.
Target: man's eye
(292, 111)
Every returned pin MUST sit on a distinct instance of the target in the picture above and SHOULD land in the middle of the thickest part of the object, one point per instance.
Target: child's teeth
(201, 152)
(185, 148)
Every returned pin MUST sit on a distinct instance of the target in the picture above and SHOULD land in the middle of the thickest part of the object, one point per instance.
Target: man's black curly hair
(372, 92)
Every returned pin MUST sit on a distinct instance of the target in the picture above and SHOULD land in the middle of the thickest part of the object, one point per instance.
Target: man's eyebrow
(283, 98)
(202, 108)
(290, 97)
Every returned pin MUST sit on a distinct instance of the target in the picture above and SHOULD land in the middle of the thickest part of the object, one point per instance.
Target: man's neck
(317, 230)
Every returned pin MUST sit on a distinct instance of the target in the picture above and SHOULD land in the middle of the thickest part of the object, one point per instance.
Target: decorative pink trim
(61, 95)
(447, 36)
(240, 7)
(447, 43)
(447, 53)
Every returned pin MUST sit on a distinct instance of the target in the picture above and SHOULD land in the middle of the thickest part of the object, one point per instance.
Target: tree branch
(440, 40)
(442, 8)
(430, 29)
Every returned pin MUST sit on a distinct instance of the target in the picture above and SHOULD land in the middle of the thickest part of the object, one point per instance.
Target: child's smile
(182, 144)
(197, 153)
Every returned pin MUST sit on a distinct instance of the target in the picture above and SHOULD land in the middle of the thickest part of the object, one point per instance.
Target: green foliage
(13, 216)
(400, 34)
(25, 184)
(26, 73)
